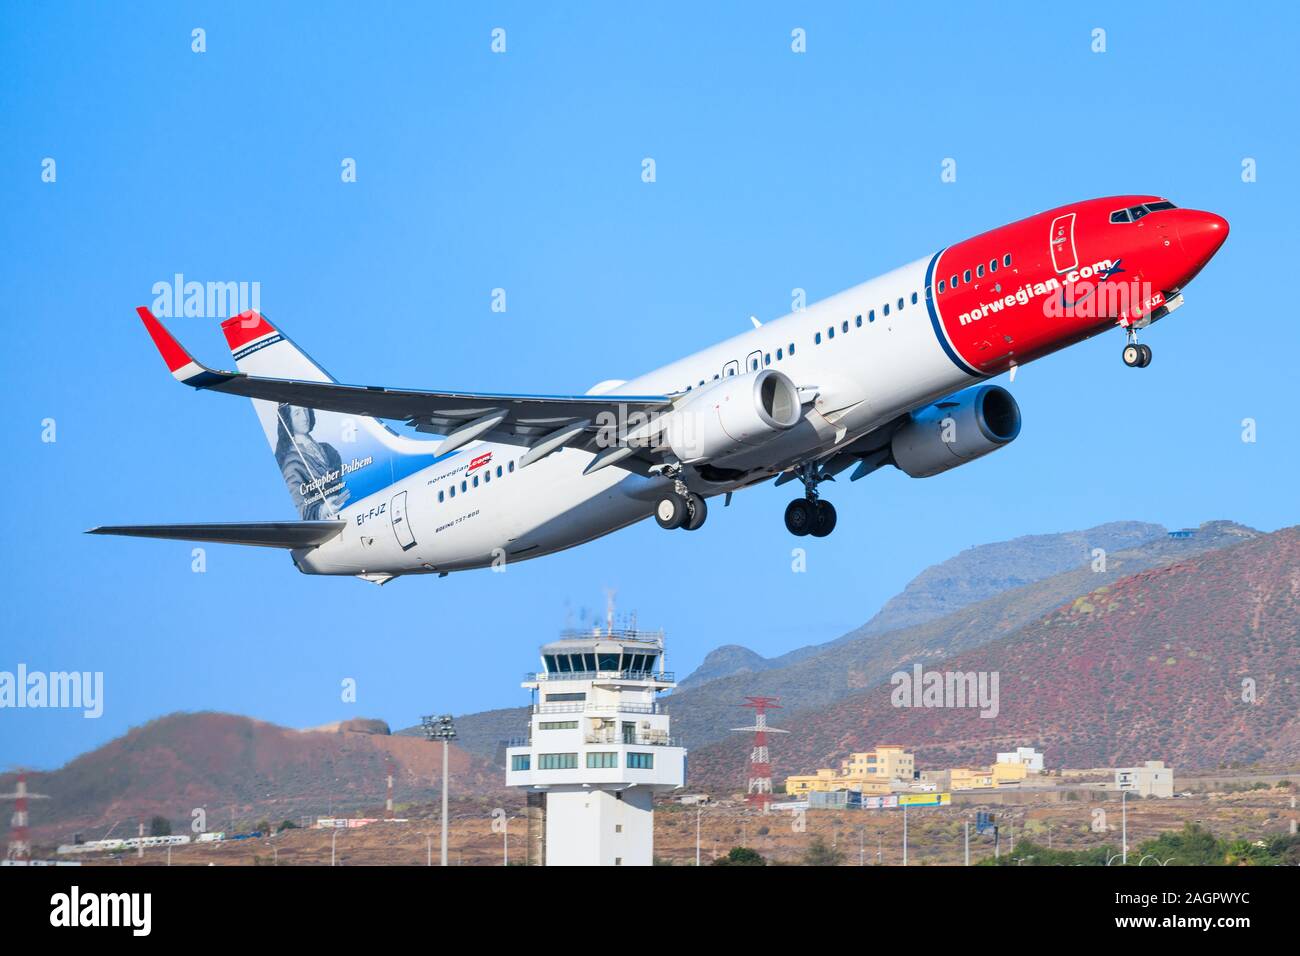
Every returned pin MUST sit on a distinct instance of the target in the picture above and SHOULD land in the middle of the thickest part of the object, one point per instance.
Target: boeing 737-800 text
(888, 372)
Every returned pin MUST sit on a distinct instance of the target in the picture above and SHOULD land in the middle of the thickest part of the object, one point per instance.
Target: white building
(1152, 779)
(1028, 756)
(598, 747)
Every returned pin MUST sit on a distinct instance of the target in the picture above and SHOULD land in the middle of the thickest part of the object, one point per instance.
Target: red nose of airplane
(1201, 235)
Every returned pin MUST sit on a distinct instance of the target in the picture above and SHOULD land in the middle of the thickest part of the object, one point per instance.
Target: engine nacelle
(959, 429)
(732, 415)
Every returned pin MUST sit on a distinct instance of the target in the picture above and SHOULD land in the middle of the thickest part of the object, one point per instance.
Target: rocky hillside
(1153, 666)
(236, 767)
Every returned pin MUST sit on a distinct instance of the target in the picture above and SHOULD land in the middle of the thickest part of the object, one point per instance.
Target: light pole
(441, 728)
(967, 855)
(1123, 806)
(862, 859)
(699, 812)
(333, 836)
(905, 834)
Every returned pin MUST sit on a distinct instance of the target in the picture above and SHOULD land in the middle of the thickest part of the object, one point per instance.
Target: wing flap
(261, 534)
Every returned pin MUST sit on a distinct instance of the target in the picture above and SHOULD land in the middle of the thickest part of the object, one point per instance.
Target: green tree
(819, 854)
(741, 856)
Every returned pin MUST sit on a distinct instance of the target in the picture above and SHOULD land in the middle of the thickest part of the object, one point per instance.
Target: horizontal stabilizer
(262, 534)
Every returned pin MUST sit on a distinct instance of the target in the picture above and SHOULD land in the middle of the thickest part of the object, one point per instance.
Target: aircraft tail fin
(328, 459)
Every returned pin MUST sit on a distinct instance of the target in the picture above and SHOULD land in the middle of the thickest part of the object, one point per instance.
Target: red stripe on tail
(244, 328)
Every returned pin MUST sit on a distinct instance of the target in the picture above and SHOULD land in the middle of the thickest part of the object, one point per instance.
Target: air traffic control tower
(598, 747)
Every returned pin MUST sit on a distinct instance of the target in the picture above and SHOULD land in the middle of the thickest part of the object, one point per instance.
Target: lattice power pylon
(20, 844)
(760, 761)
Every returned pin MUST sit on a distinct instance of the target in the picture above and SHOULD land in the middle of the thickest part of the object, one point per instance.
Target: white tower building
(598, 746)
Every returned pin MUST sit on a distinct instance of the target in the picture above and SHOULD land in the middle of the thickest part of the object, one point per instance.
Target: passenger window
(979, 271)
(900, 305)
(817, 339)
(942, 284)
(510, 466)
(858, 321)
(767, 358)
(830, 333)
(1006, 260)
(965, 276)
(464, 487)
(913, 298)
(487, 476)
(993, 265)
(871, 316)
(753, 365)
(498, 471)
(845, 326)
(452, 491)
(778, 355)
(792, 348)
(440, 496)
(886, 309)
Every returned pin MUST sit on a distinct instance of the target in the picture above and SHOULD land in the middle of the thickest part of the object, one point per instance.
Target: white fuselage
(863, 378)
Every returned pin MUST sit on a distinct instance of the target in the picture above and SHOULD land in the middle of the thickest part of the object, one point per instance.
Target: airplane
(889, 372)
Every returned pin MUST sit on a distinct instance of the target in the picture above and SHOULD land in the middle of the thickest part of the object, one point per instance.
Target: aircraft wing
(537, 420)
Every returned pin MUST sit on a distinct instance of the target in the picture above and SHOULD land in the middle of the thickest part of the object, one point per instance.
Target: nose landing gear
(1135, 355)
(809, 514)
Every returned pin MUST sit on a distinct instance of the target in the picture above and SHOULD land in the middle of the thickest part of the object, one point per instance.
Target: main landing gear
(809, 514)
(681, 508)
(1136, 356)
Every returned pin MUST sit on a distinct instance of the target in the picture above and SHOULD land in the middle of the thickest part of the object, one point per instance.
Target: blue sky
(521, 171)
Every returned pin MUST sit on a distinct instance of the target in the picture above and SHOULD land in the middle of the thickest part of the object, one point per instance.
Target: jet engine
(732, 415)
(959, 429)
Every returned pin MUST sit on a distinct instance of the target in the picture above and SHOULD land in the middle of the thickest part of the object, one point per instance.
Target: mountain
(703, 707)
(974, 575)
(1152, 666)
(238, 767)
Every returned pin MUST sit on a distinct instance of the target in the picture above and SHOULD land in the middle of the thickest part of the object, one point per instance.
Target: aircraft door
(754, 362)
(1061, 242)
(731, 368)
(401, 525)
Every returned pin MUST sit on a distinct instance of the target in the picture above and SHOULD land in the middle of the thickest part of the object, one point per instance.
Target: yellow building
(872, 772)
(1004, 773)
(963, 778)
(886, 762)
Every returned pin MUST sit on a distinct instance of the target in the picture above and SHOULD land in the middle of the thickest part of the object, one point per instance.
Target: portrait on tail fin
(313, 470)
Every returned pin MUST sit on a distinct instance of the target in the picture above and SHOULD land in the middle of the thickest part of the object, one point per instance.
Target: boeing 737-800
(889, 372)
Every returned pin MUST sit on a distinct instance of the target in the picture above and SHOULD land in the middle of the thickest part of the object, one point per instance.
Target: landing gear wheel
(1133, 355)
(698, 512)
(800, 516)
(824, 519)
(1145, 358)
(671, 512)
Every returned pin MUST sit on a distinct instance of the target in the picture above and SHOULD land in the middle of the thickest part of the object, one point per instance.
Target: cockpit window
(1134, 213)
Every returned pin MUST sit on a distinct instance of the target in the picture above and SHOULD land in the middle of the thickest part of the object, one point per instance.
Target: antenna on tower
(759, 789)
(20, 844)
(609, 610)
(388, 805)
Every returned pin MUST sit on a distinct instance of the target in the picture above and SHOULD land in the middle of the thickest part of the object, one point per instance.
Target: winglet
(179, 362)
